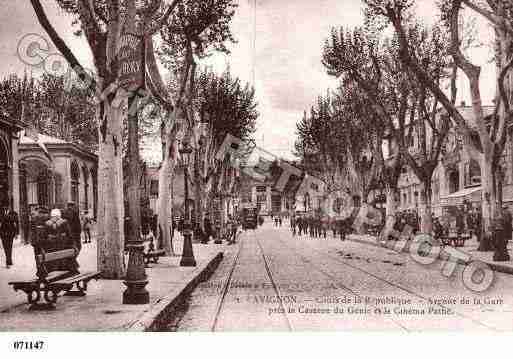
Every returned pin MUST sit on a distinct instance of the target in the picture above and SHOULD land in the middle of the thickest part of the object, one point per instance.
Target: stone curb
(164, 308)
(494, 266)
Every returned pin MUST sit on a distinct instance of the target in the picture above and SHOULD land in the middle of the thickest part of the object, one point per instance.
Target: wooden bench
(374, 230)
(152, 254)
(51, 283)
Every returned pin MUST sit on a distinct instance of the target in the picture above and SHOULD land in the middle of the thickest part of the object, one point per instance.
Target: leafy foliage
(52, 106)
(227, 106)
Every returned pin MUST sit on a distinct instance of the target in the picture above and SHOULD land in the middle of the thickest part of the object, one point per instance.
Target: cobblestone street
(281, 283)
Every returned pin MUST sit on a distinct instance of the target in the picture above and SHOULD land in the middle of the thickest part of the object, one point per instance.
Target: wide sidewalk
(469, 251)
(102, 309)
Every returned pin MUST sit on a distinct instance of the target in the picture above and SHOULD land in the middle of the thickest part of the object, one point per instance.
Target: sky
(285, 59)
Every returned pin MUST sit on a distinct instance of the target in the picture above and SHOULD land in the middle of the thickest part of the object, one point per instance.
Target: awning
(472, 194)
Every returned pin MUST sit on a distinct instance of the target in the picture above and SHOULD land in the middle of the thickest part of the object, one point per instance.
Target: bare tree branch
(61, 45)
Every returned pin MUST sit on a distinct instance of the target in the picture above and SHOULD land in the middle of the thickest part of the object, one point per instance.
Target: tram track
(340, 285)
(333, 277)
(220, 305)
(226, 286)
(275, 287)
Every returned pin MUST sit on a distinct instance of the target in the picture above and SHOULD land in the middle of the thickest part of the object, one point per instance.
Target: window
(42, 189)
(246, 197)
(85, 170)
(453, 180)
(472, 173)
(261, 198)
(154, 187)
(58, 189)
(261, 188)
(435, 191)
(94, 177)
(75, 181)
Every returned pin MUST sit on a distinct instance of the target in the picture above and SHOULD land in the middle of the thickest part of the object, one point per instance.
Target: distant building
(258, 188)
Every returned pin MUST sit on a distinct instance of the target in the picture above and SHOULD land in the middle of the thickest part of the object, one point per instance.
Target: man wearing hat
(72, 216)
(58, 236)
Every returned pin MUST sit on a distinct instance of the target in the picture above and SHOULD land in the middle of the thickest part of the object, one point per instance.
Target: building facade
(52, 173)
(457, 178)
(9, 162)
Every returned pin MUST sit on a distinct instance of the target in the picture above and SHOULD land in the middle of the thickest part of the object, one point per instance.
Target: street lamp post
(136, 279)
(187, 252)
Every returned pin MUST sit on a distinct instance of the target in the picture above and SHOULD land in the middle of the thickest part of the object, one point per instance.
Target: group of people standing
(278, 220)
(47, 230)
(407, 217)
(313, 226)
(470, 220)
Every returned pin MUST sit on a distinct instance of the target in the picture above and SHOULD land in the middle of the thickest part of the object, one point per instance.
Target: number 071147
(28, 345)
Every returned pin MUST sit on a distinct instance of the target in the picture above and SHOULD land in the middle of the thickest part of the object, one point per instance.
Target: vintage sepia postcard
(255, 166)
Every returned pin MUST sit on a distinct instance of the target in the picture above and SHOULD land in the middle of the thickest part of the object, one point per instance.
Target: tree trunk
(390, 210)
(426, 219)
(111, 261)
(134, 175)
(224, 213)
(359, 224)
(165, 199)
(198, 192)
(489, 204)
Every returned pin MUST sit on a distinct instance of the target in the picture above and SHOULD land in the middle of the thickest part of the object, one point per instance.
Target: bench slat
(159, 252)
(53, 256)
(51, 277)
(78, 278)
(56, 275)
(33, 281)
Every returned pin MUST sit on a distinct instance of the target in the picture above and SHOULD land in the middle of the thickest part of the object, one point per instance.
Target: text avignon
(272, 299)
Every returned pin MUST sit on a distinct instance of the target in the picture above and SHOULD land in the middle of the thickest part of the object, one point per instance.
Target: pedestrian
(145, 222)
(207, 224)
(437, 228)
(234, 229)
(324, 226)
(72, 217)
(58, 236)
(280, 220)
(229, 230)
(154, 221)
(343, 224)
(86, 224)
(460, 222)
(9, 229)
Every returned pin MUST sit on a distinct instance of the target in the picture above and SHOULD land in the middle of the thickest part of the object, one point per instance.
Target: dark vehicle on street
(249, 218)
